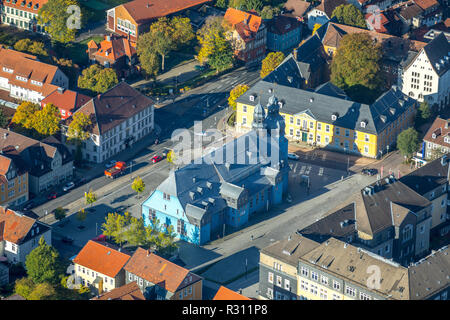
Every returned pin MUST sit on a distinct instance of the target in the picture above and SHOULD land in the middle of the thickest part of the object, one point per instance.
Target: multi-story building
(116, 52)
(323, 12)
(67, 101)
(278, 265)
(26, 78)
(426, 76)
(22, 14)
(13, 181)
(223, 188)
(431, 182)
(134, 17)
(248, 36)
(120, 117)
(160, 279)
(437, 139)
(20, 234)
(4, 274)
(283, 33)
(305, 67)
(48, 162)
(129, 291)
(296, 8)
(100, 267)
(327, 119)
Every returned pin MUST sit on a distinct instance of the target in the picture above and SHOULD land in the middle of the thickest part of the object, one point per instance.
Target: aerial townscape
(224, 150)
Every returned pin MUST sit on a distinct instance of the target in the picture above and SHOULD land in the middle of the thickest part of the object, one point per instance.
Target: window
(279, 281)
(336, 285)
(324, 280)
(304, 271)
(269, 293)
(347, 133)
(327, 128)
(314, 276)
(311, 125)
(407, 233)
(277, 266)
(323, 294)
(130, 277)
(350, 291)
(313, 289)
(181, 295)
(387, 249)
(338, 131)
(336, 296)
(287, 284)
(141, 282)
(366, 149)
(304, 285)
(270, 279)
(319, 126)
(363, 296)
(366, 138)
(244, 108)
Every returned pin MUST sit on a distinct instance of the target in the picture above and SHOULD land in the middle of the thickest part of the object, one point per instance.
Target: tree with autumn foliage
(270, 62)
(235, 93)
(350, 15)
(356, 67)
(212, 40)
(46, 121)
(24, 115)
(78, 127)
(98, 79)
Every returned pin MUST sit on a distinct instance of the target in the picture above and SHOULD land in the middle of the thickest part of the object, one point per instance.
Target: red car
(52, 195)
(101, 237)
(156, 159)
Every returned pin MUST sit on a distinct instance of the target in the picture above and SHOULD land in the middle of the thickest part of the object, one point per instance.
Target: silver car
(68, 186)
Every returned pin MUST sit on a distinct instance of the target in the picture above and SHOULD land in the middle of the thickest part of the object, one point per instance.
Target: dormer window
(334, 116)
(21, 78)
(280, 104)
(252, 97)
(8, 70)
(447, 140)
(363, 123)
(37, 83)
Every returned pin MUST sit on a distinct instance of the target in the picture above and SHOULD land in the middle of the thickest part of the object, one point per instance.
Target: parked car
(369, 171)
(293, 156)
(66, 239)
(52, 195)
(81, 181)
(110, 164)
(156, 159)
(200, 67)
(101, 237)
(68, 186)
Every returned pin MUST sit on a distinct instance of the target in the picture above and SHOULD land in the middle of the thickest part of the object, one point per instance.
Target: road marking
(320, 171)
(296, 166)
(308, 170)
(302, 170)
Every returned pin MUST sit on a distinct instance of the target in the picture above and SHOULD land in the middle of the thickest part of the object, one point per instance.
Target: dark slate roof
(437, 50)
(427, 177)
(322, 106)
(330, 89)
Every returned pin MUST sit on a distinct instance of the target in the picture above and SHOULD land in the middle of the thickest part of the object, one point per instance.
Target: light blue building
(199, 199)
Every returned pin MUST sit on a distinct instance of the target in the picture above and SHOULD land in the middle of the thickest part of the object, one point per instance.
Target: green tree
(60, 213)
(110, 227)
(211, 37)
(182, 31)
(138, 185)
(46, 121)
(252, 5)
(268, 12)
(350, 15)
(3, 119)
(24, 287)
(120, 235)
(42, 291)
(222, 59)
(136, 234)
(162, 240)
(78, 127)
(33, 47)
(162, 38)
(235, 93)
(148, 58)
(270, 62)
(53, 15)
(90, 197)
(25, 114)
(43, 264)
(97, 78)
(424, 111)
(356, 67)
(408, 142)
(81, 215)
(222, 4)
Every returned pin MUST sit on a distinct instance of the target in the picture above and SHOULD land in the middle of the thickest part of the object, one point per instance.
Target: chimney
(61, 90)
(5, 135)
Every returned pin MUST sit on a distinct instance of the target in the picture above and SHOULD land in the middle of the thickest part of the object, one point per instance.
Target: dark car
(28, 206)
(52, 195)
(369, 171)
(67, 239)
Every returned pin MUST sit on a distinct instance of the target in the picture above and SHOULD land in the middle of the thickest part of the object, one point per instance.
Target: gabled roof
(144, 10)
(14, 227)
(31, 6)
(109, 109)
(442, 126)
(226, 294)
(130, 291)
(114, 47)
(282, 24)
(328, 6)
(438, 52)
(66, 99)
(411, 11)
(251, 21)
(297, 8)
(426, 4)
(160, 271)
(101, 258)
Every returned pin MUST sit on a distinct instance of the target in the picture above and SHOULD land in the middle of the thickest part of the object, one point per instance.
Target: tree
(222, 59)
(3, 119)
(162, 40)
(43, 264)
(350, 15)
(81, 215)
(54, 16)
(33, 47)
(435, 154)
(97, 78)
(60, 213)
(110, 227)
(148, 58)
(270, 62)
(356, 67)
(408, 142)
(78, 127)
(222, 4)
(42, 291)
(90, 197)
(162, 240)
(182, 31)
(235, 93)
(25, 113)
(269, 12)
(135, 234)
(316, 27)
(211, 37)
(46, 121)
(138, 185)
(424, 111)
(253, 5)
(24, 287)
(170, 156)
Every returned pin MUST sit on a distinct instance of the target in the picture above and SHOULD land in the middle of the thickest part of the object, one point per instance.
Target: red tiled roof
(32, 8)
(5, 162)
(92, 44)
(14, 227)
(101, 258)
(226, 294)
(144, 10)
(159, 271)
(425, 4)
(130, 291)
(115, 48)
(246, 24)
(67, 99)
(438, 127)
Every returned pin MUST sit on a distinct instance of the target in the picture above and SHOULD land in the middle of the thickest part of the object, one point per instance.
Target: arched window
(407, 233)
